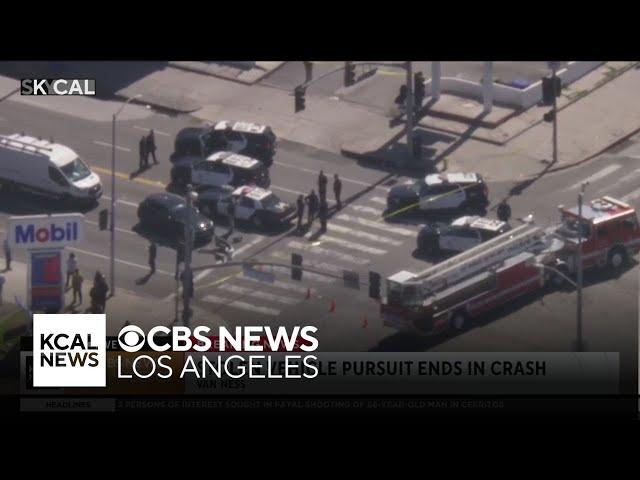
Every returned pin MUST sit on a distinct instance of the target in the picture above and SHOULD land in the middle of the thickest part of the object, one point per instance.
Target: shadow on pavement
(18, 203)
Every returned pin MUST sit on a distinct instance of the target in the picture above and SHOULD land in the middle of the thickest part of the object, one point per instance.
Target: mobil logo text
(46, 231)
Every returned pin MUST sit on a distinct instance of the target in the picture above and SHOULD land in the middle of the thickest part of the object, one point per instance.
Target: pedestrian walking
(323, 213)
(76, 284)
(231, 214)
(7, 255)
(153, 251)
(312, 207)
(300, 212)
(72, 266)
(99, 293)
(142, 147)
(337, 190)
(151, 147)
(322, 185)
(2, 280)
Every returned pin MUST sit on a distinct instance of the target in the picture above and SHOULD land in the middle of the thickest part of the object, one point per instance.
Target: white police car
(222, 168)
(257, 206)
(462, 234)
(441, 192)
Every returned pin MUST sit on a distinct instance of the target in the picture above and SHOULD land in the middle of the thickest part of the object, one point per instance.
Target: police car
(257, 206)
(254, 140)
(462, 234)
(441, 192)
(222, 168)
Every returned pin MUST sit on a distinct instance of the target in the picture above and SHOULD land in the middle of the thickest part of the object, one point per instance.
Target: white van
(46, 168)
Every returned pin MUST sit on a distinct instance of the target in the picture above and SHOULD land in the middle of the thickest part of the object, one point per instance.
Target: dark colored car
(166, 215)
(253, 140)
(462, 234)
(259, 207)
(221, 168)
(441, 192)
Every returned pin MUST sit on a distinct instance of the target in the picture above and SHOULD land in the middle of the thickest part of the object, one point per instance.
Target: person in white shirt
(72, 266)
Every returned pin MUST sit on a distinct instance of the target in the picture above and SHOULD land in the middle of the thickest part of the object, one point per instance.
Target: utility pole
(409, 109)
(554, 79)
(188, 246)
(579, 346)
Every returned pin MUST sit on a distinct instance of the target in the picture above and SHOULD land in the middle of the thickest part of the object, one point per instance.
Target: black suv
(256, 141)
(441, 192)
(166, 214)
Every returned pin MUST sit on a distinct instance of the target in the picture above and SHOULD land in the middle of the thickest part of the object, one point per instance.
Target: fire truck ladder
(481, 257)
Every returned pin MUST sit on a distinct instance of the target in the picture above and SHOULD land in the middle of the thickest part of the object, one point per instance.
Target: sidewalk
(231, 70)
(143, 311)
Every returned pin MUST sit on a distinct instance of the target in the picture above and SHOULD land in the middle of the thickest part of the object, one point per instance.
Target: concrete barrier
(521, 98)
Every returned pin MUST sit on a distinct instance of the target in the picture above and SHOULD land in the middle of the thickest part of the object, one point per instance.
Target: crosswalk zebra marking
(250, 292)
(379, 225)
(348, 244)
(371, 210)
(335, 269)
(333, 227)
(596, 176)
(379, 200)
(329, 253)
(280, 284)
(227, 302)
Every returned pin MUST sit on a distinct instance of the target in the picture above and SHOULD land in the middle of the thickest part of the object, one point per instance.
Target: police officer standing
(142, 147)
(322, 185)
(76, 285)
(151, 147)
(323, 214)
(312, 204)
(231, 213)
(337, 190)
(300, 212)
(153, 252)
(7, 254)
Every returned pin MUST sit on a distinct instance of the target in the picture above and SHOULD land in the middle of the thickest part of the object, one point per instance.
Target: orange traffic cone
(332, 308)
(308, 296)
(365, 322)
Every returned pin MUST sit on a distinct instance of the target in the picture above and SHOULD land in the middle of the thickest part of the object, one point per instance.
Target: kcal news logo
(69, 350)
(57, 86)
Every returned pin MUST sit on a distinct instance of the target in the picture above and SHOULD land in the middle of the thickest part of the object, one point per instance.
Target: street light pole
(188, 245)
(410, 109)
(555, 115)
(579, 345)
(112, 273)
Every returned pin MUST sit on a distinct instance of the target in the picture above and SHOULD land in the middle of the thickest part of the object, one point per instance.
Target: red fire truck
(513, 264)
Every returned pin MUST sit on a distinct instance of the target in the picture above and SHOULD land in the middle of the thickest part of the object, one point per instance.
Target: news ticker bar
(369, 373)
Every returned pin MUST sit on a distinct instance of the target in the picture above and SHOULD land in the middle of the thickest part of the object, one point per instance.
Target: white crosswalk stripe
(279, 284)
(596, 176)
(347, 244)
(241, 305)
(631, 195)
(371, 210)
(379, 200)
(628, 177)
(322, 266)
(250, 292)
(306, 275)
(333, 227)
(379, 225)
(307, 247)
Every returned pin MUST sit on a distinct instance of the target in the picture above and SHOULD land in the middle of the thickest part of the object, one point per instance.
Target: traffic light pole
(410, 109)
(555, 118)
(187, 274)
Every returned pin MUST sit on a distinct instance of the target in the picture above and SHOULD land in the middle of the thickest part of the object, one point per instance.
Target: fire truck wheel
(458, 320)
(617, 258)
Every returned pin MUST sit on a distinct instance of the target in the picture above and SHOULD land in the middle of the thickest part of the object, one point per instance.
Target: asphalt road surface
(358, 239)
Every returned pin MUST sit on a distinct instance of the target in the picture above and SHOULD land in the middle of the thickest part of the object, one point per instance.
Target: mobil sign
(46, 231)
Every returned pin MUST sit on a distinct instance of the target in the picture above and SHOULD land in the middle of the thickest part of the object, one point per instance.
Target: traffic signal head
(374, 285)
(300, 100)
(103, 219)
(296, 261)
(349, 74)
(548, 117)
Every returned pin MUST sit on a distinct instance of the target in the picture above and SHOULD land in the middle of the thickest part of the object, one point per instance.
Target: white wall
(511, 96)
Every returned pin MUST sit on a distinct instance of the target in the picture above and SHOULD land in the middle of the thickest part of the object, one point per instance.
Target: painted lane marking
(105, 144)
(240, 305)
